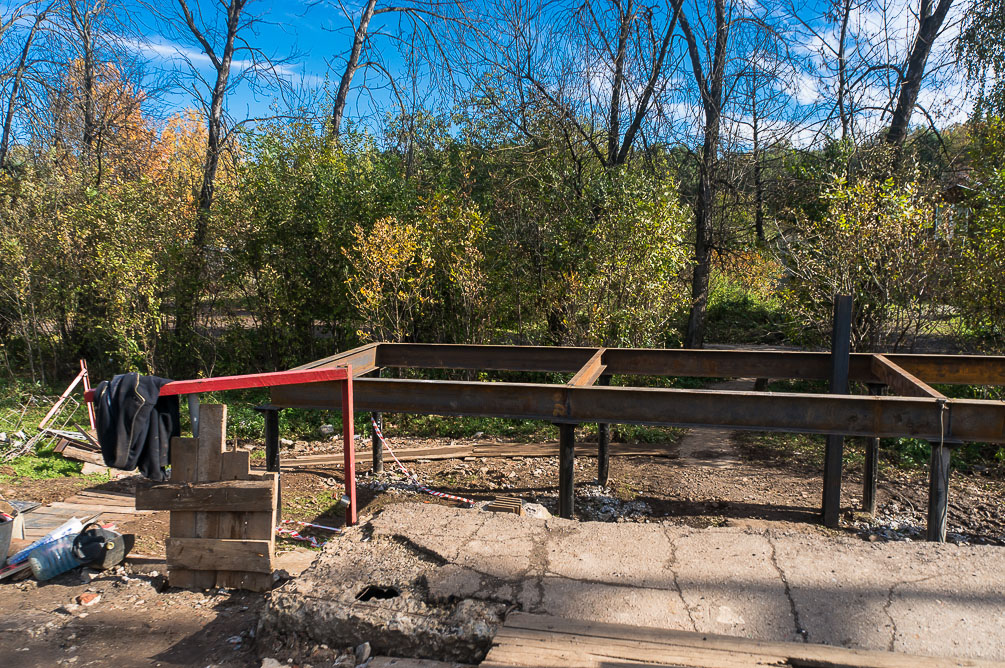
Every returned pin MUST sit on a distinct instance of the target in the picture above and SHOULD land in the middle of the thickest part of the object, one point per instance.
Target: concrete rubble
(430, 581)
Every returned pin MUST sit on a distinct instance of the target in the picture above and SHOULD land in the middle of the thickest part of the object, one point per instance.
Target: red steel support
(247, 381)
(349, 448)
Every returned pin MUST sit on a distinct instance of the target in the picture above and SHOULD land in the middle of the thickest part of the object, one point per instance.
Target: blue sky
(316, 36)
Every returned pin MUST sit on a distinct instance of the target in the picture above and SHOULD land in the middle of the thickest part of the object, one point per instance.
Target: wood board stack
(541, 641)
(222, 515)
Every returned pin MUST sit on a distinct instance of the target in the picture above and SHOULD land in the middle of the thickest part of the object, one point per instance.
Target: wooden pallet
(222, 515)
(540, 641)
(108, 506)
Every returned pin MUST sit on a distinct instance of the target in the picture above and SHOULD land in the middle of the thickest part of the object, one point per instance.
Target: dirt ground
(709, 478)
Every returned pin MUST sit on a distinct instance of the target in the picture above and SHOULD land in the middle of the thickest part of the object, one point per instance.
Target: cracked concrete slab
(457, 571)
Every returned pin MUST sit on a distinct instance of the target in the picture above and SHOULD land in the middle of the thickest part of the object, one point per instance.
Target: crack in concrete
(671, 566)
(889, 604)
(800, 631)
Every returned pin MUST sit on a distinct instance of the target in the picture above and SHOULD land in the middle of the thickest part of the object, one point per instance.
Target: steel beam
(900, 381)
(590, 372)
(882, 417)
(947, 369)
(362, 360)
(483, 358)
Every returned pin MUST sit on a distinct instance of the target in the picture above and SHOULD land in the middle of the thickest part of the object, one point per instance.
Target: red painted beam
(247, 381)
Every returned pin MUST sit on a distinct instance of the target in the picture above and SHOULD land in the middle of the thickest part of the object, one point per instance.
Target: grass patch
(40, 466)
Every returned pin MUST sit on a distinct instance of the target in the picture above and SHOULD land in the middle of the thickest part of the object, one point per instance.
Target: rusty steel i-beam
(902, 402)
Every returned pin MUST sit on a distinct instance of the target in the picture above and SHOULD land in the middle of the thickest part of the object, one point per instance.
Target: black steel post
(840, 362)
(603, 444)
(938, 492)
(272, 451)
(378, 448)
(193, 413)
(566, 470)
(871, 462)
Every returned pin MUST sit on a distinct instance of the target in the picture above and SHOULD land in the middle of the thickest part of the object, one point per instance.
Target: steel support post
(272, 451)
(378, 448)
(566, 470)
(193, 413)
(603, 444)
(840, 363)
(871, 474)
(376, 445)
(938, 491)
(349, 449)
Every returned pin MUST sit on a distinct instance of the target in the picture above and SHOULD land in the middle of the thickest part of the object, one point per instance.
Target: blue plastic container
(54, 558)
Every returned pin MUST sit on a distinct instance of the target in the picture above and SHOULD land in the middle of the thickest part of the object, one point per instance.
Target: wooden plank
(591, 371)
(93, 507)
(71, 451)
(236, 465)
(485, 449)
(260, 582)
(207, 497)
(794, 653)
(211, 554)
(184, 467)
(900, 381)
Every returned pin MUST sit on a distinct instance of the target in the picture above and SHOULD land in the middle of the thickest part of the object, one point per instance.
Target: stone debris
(362, 652)
(904, 523)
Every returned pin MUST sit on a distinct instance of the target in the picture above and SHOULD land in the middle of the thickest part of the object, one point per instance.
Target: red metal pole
(87, 388)
(349, 448)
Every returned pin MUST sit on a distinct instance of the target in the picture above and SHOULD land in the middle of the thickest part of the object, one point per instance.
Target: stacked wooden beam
(222, 515)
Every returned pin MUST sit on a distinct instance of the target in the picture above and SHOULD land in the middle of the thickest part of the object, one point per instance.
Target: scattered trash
(296, 535)
(411, 476)
(88, 599)
(505, 504)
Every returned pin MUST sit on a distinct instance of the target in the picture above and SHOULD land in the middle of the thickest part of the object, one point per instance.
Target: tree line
(610, 172)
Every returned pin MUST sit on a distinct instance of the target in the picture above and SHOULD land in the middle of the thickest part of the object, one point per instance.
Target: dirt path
(711, 446)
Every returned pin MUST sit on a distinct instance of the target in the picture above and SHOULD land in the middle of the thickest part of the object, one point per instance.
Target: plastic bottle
(54, 558)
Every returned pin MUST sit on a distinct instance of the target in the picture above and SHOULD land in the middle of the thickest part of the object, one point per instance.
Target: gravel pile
(897, 522)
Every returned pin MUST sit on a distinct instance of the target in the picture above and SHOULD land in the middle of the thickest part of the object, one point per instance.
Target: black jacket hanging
(135, 424)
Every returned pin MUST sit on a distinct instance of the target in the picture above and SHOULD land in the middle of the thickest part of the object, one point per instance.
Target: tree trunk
(186, 308)
(614, 120)
(843, 72)
(929, 24)
(362, 32)
(758, 181)
(695, 335)
(15, 86)
(710, 88)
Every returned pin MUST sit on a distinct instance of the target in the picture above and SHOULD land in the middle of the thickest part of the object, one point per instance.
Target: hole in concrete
(377, 592)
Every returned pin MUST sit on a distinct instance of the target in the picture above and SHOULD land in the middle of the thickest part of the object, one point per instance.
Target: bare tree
(708, 76)
(421, 28)
(224, 39)
(599, 67)
(16, 81)
(930, 20)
